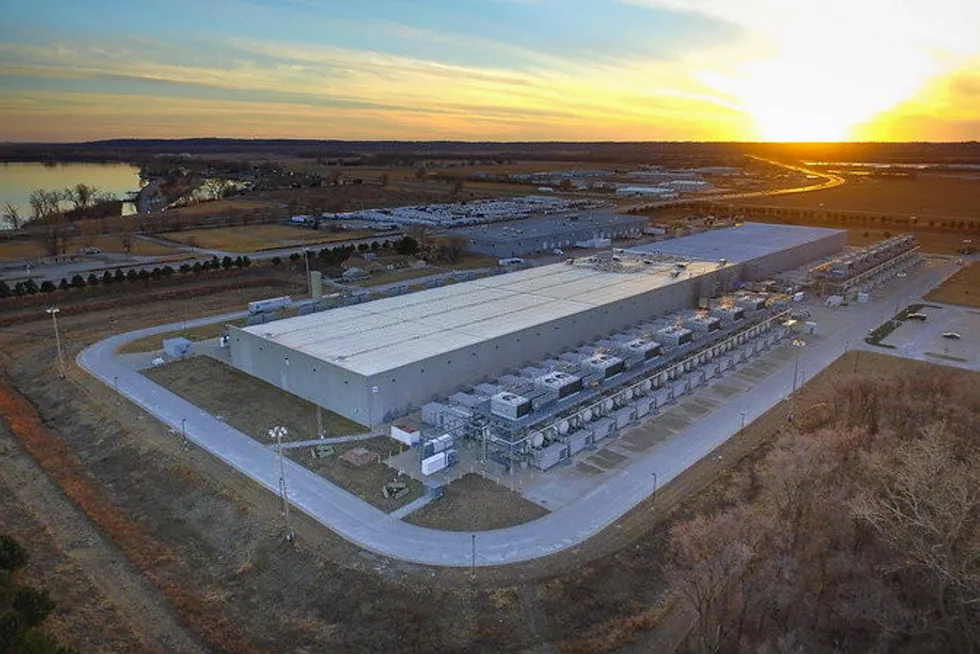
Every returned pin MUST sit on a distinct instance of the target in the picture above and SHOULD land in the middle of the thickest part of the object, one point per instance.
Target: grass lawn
(962, 288)
(245, 402)
(926, 196)
(105, 242)
(474, 503)
(250, 238)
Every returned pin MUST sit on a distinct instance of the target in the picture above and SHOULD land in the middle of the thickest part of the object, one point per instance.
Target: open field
(922, 197)
(235, 204)
(364, 481)
(475, 503)
(245, 402)
(962, 288)
(155, 342)
(106, 242)
(260, 237)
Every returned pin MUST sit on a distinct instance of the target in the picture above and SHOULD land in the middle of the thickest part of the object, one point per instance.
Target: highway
(587, 515)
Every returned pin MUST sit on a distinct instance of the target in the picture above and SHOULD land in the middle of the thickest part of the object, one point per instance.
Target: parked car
(953, 336)
(91, 249)
(918, 316)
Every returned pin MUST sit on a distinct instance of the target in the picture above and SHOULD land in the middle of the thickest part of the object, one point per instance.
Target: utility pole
(473, 559)
(319, 421)
(53, 311)
(183, 433)
(277, 433)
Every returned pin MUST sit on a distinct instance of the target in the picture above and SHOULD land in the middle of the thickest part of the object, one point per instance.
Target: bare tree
(81, 195)
(452, 248)
(46, 211)
(12, 215)
(216, 187)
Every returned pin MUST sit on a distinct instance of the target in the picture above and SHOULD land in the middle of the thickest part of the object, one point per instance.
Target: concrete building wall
(379, 398)
(320, 382)
(795, 256)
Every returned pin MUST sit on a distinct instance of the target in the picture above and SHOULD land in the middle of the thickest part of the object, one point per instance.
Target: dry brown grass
(962, 288)
(260, 237)
(933, 242)
(926, 196)
(106, 242)
(475, 503)
(150, 556)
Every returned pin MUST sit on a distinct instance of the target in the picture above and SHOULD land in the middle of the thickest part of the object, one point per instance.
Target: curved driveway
(374, 530)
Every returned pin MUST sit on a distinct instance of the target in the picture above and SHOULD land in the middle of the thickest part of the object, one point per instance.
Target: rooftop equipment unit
(704, 323)
(509, 405)
(550, 456)
(563, 383)
(642, 347)
(607, 364)
(675, 335)
(272, 304)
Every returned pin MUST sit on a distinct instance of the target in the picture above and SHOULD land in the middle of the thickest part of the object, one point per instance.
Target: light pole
(183, 433)
(742, 414)
(799, 344)
(306, 260)
(277, 433)
(653, 496)
(53, 311)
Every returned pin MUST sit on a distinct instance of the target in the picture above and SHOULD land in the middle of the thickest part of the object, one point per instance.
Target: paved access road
(370, 528)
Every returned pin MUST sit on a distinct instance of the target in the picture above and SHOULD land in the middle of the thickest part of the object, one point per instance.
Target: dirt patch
(248, 404)
(367, 475)
(475, 503)
(155, 342)
(962, 288)
(107, 243)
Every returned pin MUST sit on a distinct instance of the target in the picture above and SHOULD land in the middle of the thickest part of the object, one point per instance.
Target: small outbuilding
(177, 347)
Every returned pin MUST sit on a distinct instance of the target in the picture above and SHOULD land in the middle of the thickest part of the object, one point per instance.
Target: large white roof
(385, 334)
(740, 244)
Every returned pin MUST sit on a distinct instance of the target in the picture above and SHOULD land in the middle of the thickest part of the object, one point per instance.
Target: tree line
(861, 533)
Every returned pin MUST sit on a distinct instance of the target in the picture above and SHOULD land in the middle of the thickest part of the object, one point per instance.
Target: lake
(18, 179)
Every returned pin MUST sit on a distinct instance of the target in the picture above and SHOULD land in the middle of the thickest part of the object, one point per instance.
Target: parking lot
(924, 340)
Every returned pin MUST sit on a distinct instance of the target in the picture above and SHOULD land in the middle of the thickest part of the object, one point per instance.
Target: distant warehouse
(375, 361)
(518, 238)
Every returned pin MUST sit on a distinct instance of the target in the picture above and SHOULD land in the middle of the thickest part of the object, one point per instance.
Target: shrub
(294, 257)
(239, 262)
(167, 271)
(363, 247)
(48, 287)
(31, 286)
(143, 274)
(246, 261)
(131, 275)
(13, 556)
(276, 261)
(185, 268)
(198, 267)
(107, 278)
(120, 276)
(92, 280)
(78, 281)
(226, 263)
(4, 289)
(156, 273)
(64, 284)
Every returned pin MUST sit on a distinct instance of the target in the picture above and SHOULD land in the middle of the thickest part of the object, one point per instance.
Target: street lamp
(183, 433)
(53, 311)
(277, 433)
(799, 344)
(309, 282)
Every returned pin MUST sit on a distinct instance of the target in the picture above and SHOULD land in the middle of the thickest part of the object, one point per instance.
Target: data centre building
(375, 361)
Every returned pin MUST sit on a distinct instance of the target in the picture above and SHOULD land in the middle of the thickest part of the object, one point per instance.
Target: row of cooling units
(859, 261)
(643, 367)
